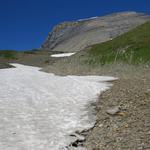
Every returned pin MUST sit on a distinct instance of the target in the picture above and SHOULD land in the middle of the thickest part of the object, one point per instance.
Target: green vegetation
(12, 54)
(121, 54)
(132, 48)
(8, 54)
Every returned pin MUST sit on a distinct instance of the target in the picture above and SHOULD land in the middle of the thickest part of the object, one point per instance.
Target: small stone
(121, 114)
(113, 110)
(101, 125)
(126, 126)
(78, 137)
(148, 132)
(147, 92)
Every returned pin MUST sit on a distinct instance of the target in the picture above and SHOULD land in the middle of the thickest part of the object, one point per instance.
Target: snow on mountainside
(38, 111)
(62, 55)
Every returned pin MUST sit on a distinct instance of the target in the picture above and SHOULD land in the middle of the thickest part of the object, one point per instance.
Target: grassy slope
(8, 54)
(132, 47)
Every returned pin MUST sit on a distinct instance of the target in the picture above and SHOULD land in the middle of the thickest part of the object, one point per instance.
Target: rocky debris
(60, 33)
(113, 110)
(128, 129)
(78, 142)
(77, 35)
(78, 136)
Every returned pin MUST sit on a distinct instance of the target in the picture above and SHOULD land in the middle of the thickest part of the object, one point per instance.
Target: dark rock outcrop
(75, 36)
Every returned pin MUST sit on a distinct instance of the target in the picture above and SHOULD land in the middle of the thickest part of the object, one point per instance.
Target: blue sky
(24, 24)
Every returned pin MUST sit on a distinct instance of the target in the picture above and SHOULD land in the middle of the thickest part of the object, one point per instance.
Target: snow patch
(62, 55)
(91, 18)
(38, 111)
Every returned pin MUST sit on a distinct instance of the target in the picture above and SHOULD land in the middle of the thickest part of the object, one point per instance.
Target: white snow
(38, 111)
(62, 55)
(91, 18)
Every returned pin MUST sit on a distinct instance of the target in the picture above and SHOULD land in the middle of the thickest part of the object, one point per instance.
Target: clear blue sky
(24, 24)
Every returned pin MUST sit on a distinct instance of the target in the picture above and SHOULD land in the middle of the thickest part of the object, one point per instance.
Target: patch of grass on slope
(8, 54)
(132, 47)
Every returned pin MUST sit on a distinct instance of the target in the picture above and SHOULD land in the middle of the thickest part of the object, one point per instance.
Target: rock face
(75, 36)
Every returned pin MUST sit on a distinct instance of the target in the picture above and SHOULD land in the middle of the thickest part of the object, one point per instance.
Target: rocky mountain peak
(64, 25)
(76, 35)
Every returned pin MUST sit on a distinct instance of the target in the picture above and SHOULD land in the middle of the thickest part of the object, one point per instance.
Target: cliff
(75, 36)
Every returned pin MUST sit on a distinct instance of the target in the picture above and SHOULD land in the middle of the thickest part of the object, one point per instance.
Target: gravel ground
(128, 129)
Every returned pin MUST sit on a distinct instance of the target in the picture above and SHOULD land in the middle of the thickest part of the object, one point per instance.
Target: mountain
(77, 35)
(131, 48)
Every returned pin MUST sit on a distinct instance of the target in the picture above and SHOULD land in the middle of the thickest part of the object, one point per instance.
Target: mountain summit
(77, 35)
